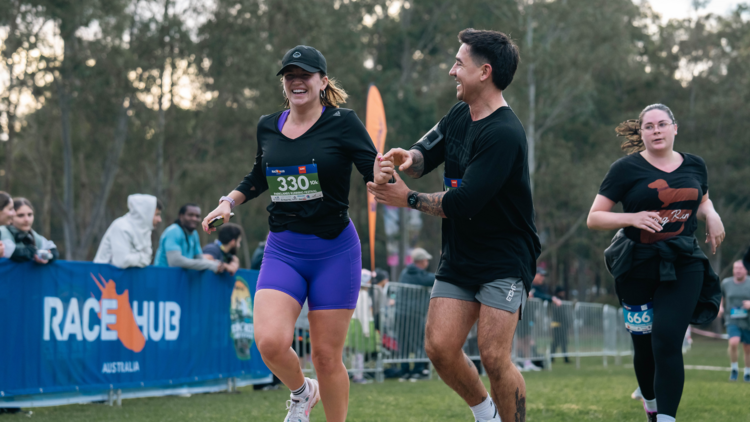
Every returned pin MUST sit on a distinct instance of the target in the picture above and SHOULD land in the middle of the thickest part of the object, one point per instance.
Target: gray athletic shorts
(507, 294)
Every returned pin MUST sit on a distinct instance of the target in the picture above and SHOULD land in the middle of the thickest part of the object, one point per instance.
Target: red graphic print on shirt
(670, 196)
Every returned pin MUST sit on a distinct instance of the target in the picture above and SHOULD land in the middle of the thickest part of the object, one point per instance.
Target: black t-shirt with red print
(676, 195)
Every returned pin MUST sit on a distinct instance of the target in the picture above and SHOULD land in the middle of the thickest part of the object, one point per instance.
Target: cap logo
(297, 54)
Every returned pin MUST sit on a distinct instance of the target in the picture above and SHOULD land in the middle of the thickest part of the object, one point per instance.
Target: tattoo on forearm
(431, 203)
(520, 407)
(417, 164)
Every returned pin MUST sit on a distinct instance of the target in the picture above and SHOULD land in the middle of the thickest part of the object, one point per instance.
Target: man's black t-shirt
(331, 145)
(675, 196)
(489, 232)
(214, 249)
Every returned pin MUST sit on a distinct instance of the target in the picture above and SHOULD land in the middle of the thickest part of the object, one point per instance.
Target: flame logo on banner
(128, 332)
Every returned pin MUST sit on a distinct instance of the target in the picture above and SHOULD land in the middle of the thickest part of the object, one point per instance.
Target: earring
(323, 95)
(283, 93)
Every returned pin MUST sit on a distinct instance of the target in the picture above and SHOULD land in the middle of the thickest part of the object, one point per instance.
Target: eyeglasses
(660, 125)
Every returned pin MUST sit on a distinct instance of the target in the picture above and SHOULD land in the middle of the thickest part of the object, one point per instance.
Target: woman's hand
(714, 231)
(399, 157)
(223, 210)
(646, 220)
(382, 170)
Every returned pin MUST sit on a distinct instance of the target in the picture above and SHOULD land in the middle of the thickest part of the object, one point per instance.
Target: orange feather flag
(377, 129)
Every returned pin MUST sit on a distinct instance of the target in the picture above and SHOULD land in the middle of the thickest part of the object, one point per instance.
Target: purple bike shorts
(326, 272)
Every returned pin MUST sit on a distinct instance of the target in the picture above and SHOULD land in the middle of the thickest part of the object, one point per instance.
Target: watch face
(412, 199)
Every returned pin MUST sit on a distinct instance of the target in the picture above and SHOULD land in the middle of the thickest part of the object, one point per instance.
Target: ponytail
(631, 130)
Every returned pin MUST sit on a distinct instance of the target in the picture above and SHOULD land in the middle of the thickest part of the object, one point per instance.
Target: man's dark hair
(229, 232)
(183, 209)
(493, 48)
(159, 205)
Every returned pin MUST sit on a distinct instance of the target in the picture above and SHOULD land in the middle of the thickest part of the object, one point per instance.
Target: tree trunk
(108, 178)
(69, 221)
(531, 122)
(10, 48)
(161, 121)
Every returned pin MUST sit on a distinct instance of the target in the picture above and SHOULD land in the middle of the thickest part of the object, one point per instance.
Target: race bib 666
(294, 183)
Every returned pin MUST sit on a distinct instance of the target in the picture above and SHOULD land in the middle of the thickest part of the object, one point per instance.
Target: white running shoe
(299, 407)
(637, 394)
(529, 366)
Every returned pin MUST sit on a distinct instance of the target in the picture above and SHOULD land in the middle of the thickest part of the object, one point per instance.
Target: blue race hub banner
(76, 326)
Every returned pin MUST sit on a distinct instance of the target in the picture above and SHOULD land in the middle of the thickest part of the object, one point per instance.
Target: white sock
(735, 366)
(650, 405)
(485, 410)
(664, 418)
(302, 391)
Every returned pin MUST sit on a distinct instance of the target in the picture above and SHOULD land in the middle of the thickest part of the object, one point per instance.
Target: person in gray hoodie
(127, 242)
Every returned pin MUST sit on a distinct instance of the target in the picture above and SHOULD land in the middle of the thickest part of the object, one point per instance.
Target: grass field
(564, 394)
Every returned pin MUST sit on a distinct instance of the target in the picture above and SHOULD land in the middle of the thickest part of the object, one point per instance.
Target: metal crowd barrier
(545, 332)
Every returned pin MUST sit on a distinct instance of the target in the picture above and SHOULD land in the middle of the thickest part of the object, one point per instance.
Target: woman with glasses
(662, 278)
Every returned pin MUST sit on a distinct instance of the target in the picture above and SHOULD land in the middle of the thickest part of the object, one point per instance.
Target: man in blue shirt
(180, 246)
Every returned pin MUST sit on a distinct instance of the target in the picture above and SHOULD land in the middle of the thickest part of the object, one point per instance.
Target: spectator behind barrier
(539, 289)
(257, 259)
(6, 217)
(180, 245)
(416, 272)
(380, 278)
(127, 241)
(24, 243)
(225, 248)
(416, 307)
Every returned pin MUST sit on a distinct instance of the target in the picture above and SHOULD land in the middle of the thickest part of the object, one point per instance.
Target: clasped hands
(384, 169)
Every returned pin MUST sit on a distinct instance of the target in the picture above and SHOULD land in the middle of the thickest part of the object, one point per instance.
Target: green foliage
(586, 65)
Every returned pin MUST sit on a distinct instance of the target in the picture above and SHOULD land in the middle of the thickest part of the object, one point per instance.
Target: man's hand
(556, 300)
(393, 194)
(746, 304)
(399, 157)
(382, 170)
(233, 266)
(39, 260)
(221, 268)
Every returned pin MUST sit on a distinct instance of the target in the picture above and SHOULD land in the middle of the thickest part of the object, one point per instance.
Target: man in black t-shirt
(490, 245)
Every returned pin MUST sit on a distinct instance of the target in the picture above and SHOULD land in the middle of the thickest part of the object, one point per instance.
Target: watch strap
(228, 199)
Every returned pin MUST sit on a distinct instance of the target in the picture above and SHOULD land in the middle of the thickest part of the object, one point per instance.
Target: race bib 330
(294, 183)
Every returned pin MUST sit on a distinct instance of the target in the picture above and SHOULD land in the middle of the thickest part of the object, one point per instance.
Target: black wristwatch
(413, 199)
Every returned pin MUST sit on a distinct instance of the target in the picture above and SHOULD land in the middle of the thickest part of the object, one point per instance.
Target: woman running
(304, 159)
(662, 278)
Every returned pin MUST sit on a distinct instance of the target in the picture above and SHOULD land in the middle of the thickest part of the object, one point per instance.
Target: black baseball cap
(305, 57)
